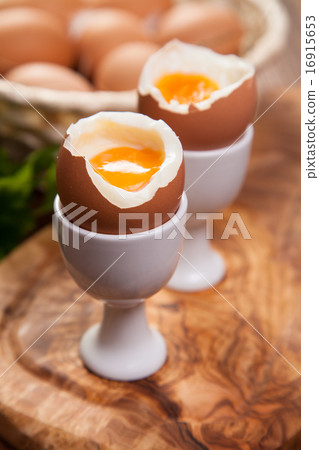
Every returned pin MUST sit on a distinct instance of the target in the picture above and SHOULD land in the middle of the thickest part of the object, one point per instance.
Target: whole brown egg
(140, 7)
(32, 35)
(203, 23)
(120, 69)
(96, 32)
(50, 76)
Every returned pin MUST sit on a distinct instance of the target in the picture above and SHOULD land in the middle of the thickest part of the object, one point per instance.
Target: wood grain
(223, 386)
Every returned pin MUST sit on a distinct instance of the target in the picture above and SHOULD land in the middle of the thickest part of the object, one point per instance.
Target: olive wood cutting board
(225, 383)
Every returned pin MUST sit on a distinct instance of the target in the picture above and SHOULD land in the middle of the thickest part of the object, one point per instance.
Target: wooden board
(223, 386)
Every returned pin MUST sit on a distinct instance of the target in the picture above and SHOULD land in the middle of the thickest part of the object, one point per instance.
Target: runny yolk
(186, 87)
(126, 167)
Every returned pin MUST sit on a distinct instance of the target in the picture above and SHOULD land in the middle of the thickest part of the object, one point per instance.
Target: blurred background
(62, 60)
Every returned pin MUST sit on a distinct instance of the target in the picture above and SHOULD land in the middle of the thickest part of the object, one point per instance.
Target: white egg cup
(213, 180)
(122, 270)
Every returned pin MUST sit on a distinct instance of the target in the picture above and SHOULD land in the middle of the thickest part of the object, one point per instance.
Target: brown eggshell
(49, 76)
(140, 7)
(102, 31)
(62, 9)
(120, 69)
(30, 35)
(202, 23)
(75, 185)
(216, 127)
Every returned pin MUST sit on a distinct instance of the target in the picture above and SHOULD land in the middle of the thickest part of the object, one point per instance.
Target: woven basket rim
(274, 38)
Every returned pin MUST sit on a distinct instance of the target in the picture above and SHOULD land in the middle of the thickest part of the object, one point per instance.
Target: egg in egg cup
(123, 266)
(209, 100)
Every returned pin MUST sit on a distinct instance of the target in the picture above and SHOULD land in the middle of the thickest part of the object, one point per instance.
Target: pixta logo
(185, 225)
(68, 232)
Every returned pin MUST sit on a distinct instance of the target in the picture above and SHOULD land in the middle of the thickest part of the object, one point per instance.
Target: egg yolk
(186, 87)
(126, 167)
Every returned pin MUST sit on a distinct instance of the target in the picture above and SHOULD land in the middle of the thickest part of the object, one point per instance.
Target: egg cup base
(123, 347)
(200, 267)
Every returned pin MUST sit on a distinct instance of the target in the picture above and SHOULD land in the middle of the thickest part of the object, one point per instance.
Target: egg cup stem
(200, 266)
(123, 346)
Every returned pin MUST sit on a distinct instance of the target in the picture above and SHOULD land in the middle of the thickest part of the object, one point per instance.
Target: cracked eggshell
(78, 182)
(212, 123)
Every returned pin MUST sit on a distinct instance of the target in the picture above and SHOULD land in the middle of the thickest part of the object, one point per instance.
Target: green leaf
(7, 166)
(19, 184)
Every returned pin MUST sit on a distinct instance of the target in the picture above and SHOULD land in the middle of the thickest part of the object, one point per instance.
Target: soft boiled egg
(208, 99)
(121, 162)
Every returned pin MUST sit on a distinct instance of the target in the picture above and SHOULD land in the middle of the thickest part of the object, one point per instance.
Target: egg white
(229, 71)
(105, 130)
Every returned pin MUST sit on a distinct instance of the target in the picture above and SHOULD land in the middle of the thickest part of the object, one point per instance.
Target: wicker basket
(38, 116)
